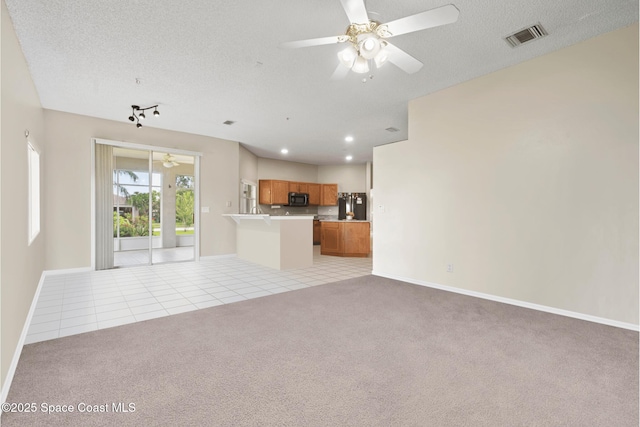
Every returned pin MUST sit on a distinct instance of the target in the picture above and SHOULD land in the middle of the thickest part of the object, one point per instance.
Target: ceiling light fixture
(349, 139)
(284, 151)
(137, 114)
(168, 161)
(367, 43)
(349, 158)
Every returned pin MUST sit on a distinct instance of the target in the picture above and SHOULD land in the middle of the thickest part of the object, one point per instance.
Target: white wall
(526, 180)
(68, 172)
(21, 264)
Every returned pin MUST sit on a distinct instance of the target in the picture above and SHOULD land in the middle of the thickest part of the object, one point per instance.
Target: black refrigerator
(352, 202)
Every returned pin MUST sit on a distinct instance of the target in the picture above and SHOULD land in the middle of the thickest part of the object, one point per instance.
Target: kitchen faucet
(257, 210)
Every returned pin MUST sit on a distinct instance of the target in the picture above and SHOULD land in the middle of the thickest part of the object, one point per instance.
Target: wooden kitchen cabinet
(328, 194)
(345, 238)
(331, 238)
(316, 232)
(298, 187)
(273, 192)
(314, 194)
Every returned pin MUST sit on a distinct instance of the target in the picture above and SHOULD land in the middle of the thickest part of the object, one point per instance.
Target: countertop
(344, 220)
(268, 218)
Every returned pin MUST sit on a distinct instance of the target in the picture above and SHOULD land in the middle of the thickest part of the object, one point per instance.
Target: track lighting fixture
(137, 114)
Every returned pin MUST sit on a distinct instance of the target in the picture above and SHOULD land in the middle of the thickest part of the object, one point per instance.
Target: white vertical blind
(104, 207)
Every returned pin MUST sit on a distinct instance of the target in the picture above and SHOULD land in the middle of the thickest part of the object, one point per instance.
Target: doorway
(151, 194)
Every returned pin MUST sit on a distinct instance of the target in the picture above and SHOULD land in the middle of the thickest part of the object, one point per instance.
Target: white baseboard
(515, 302)
(67, 271)
(212, 257)
(23, 336)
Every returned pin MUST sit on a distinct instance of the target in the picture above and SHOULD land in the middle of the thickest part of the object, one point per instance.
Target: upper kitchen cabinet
(298, 187)
(273, 192)
(314, 194)
(328, 194)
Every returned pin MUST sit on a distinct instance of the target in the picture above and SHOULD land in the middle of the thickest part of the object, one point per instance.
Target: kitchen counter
(280, 242)
(344, 220)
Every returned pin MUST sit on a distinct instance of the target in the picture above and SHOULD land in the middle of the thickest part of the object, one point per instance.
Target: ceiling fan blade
(421, 21)
(356, 11)
(340, 72)
(310, 42)
(402, 59)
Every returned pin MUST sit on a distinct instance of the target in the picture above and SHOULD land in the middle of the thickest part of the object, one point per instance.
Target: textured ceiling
(206, 61)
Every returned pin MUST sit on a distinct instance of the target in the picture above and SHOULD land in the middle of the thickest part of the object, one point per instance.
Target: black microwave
(298, 199)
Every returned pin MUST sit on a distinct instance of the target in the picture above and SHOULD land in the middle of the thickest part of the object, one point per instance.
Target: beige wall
(350, 178)
(21, 264)
(288, 171)
(68, 172)
(248, 165)
(526, 180)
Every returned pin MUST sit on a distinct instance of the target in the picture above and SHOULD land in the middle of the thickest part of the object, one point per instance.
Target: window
(34, 192)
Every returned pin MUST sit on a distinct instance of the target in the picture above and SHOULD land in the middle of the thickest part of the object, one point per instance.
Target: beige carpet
(362, 352)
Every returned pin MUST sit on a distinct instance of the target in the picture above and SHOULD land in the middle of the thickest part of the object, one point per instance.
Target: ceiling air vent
(392, 129)
(526, 35)
(228, 122)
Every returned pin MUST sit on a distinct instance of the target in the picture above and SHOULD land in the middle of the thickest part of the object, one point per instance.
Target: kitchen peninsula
(280, 242)
(347, 238)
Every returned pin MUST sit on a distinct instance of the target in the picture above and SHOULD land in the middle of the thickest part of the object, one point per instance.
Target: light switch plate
(205, 209)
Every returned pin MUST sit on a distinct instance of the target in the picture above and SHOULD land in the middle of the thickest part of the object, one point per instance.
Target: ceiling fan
(168, 161)
(367, 39)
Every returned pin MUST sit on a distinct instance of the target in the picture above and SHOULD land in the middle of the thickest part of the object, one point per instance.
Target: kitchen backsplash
(293, 210)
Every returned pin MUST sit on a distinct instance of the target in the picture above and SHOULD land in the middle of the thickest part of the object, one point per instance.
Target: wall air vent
(526, 35)
(392, 129)
(228, 122)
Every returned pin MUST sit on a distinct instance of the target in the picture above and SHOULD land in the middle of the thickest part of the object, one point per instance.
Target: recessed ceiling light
(349, 158)
(284, 151)
(349, 139)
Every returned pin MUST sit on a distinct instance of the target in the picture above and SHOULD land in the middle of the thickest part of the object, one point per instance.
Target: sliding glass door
(136, 206)
(145, 205)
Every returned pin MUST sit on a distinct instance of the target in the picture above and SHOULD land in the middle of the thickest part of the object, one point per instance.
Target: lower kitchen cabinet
(316, 232)
(345, 238)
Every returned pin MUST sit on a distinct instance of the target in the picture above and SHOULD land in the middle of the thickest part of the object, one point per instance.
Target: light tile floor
(141, 257)
(81, 302)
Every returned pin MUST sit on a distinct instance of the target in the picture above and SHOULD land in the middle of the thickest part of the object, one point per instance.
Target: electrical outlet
(228, 203)
(449, 268)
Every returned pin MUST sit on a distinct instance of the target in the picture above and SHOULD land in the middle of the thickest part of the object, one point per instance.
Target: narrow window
(34, 192)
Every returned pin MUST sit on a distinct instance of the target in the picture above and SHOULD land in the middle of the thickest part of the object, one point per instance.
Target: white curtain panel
(104, 206)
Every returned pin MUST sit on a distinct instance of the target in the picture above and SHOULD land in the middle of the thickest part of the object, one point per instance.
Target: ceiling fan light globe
(381, 58)
(361, 65)
(347, 56)
(369, 45)
(167, 164)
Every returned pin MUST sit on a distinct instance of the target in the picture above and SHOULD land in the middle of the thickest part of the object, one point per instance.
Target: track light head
(137, 113)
